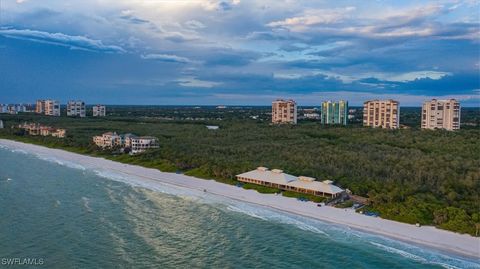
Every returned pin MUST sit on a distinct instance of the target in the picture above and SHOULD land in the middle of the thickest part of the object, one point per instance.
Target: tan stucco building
(284, 111)
(136, 144)
(381, 113)
(38, 129)
(48, 107)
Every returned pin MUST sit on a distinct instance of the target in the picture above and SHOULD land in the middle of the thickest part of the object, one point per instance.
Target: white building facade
(99, 111)
(441, 114)
(76, 109)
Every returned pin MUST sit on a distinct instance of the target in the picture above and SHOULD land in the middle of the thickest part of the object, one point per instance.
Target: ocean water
(66, 216)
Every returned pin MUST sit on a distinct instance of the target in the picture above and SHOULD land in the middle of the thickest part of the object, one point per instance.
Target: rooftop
(277, 176)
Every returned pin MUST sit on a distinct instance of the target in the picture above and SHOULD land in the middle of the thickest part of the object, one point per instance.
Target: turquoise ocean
(67, 216)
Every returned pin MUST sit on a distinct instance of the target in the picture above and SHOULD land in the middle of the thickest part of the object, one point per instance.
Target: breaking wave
(428, 258)
(86, 204)
(61, 162)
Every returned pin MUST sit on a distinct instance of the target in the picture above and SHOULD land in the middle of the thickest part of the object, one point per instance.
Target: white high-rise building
(99, 111)
(76, 109)
(441, 114)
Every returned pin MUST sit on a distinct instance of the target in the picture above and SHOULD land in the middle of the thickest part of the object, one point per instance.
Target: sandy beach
(432, 237)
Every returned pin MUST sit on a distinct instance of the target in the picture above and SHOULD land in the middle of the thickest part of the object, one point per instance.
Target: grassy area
(313, 198)
(259, 188)
(346, 204)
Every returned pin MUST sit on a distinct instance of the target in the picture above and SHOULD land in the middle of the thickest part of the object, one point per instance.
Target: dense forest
(409, 175)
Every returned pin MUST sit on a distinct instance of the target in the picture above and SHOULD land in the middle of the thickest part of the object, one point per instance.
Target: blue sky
(212, 52)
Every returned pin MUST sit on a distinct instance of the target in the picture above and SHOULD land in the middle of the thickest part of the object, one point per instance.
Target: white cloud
(345, 78)
(417, 21)
(194, 82)
(167, 58)
(313, 17)
(411, 76)
(193, 24)
(73, 42)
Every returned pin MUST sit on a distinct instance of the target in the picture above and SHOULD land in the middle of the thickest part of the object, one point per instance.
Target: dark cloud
(229, 57)
(233, 48)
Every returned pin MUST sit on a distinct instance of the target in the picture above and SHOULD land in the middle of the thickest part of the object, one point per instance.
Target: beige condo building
(284, 111)
(381, 113)
(40, 107)
(48, 107)
(441, 114)
(136, 144)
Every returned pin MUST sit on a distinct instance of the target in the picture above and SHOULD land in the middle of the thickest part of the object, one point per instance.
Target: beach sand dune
(461, 244)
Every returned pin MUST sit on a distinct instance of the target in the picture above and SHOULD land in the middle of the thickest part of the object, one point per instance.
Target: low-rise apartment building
(127, 142)
(108, 140)
(381, 113)
(441, 114)
(42, 130)
(310, 113)
(276, 178)
(142, 143)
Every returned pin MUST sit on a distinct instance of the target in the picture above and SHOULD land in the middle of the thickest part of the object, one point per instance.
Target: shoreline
(429, 236)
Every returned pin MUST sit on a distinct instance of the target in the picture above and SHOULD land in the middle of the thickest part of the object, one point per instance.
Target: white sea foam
(301, 224)
(431, 258)
(60, 162)
(9, 179)
(18, 151)
(247, 212)
(157, 186)
(86, 204)
(399, 252)
(270, 215)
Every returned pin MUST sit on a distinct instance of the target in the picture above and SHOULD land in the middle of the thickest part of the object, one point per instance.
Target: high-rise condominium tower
(76, 109)
(48, 107)
(441, 114)
(335, 112)
(284, 111)
(381, 113)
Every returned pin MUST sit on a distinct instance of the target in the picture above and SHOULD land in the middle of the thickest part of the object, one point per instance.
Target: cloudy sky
(238, 51)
